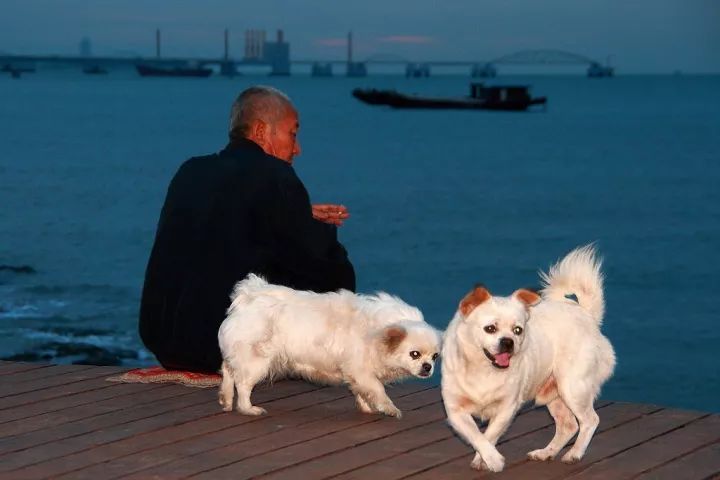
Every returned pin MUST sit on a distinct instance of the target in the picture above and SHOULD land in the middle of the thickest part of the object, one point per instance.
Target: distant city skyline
(640, 36)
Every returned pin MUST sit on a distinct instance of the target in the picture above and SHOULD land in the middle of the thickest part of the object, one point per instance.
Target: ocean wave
(77, 353)
(27, 269)
(78, 301)
(82, 289)
(43, 309)
(20, 311)
(91, 346)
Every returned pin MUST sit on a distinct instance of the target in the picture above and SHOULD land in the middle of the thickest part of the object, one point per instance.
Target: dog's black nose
(426, 367)
(506, 344)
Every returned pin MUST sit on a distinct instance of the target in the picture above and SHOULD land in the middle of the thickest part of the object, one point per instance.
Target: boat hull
(152, 71)
(398, 100)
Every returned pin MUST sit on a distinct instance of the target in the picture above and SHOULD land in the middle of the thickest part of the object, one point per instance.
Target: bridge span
(280, 64)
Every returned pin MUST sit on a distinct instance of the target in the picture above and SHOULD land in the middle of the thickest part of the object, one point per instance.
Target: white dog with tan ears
(363, 341)
(500, 352)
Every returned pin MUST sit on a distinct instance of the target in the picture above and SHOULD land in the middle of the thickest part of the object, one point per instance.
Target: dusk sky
(653, 36)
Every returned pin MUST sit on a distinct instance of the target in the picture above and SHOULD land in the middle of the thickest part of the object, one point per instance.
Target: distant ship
(595, 70)
(94, 70)
(500, 97)
(155, 71)
(16, 71)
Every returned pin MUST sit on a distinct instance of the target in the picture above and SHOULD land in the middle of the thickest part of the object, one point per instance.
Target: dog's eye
(490, 329)
(434, 357)
(415, 354)
(517, 330)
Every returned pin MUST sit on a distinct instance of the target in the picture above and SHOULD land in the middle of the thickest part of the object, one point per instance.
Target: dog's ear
(527, 297)
(393, 336)
(478, 295)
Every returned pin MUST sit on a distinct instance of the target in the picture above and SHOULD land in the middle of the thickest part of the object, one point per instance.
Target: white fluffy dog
(500, 352)
(332, 338)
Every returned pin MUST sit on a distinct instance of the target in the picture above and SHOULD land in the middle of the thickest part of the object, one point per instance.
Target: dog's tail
(245, 290)
(577, 277)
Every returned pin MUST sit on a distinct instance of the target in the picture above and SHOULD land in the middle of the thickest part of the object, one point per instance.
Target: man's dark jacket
(226, 215)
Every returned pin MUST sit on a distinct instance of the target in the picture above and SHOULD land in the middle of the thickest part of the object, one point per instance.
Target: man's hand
(329, 213)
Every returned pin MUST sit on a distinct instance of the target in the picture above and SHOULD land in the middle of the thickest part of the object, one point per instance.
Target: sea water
(440, 200)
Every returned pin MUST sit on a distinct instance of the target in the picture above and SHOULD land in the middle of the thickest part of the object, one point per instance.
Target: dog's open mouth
(424, 374)
(499, 360)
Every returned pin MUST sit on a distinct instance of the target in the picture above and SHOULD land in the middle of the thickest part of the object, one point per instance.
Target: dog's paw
(225, 403)
(390, 410)
(393, 411)
(571, 457)
(363, 406)
(494, 462)
(478, 463)
(541, 455)
(252, 411)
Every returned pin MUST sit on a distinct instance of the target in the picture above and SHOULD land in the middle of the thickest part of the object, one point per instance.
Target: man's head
(267, 117)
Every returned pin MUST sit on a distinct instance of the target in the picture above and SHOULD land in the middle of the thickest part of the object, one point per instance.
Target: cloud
(412, 39)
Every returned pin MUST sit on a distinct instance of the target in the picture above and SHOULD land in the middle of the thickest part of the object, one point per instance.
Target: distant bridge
(479, 67)
(487, 68)
(543, 57)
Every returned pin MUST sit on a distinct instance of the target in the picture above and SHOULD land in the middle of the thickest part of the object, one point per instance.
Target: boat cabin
(500, 93)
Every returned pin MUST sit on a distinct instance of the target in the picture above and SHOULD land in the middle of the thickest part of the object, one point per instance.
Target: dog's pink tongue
(502, 359)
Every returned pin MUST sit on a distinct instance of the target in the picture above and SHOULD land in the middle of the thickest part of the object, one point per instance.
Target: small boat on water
(157, 71)
(16, 71)
(595, 70)
(94, 70)
(498, 97)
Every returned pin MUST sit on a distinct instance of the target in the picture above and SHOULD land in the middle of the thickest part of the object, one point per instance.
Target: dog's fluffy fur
(500, 352)
(332, 338)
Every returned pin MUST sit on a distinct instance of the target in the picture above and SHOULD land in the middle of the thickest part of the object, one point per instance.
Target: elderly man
(228, 214)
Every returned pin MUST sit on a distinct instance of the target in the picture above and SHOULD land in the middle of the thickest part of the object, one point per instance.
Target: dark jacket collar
(242, 146)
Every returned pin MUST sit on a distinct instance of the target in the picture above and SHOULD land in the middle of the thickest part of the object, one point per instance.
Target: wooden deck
(68, 422)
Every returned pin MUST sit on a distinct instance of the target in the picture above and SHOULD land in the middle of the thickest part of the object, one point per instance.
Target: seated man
(228, 214)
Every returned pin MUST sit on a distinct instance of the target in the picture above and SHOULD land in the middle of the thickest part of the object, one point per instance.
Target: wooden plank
(613, 417)
(133, 454)
(422, 457)
(99, 374)
(418, 459)
(61, 456)
(90, 428)
(514, 448)
(121, 458)
(141, 394)
(14, 368)
(392, 446)
(37, 373)
(95, 391)
(647, 455)
(37, 440)
(343, 416)
(255, 464)
(608, 442)
(49, 377)
(698, 465)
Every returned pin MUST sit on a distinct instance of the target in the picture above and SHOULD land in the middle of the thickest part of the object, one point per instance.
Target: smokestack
(280, 36)
(226, 45)
(157, 43)
(349, 47)
(261, 47)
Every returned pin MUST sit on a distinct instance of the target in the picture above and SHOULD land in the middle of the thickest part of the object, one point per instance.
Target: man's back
(224, 216)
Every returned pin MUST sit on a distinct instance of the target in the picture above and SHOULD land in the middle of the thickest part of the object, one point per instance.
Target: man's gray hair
(257, 103)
